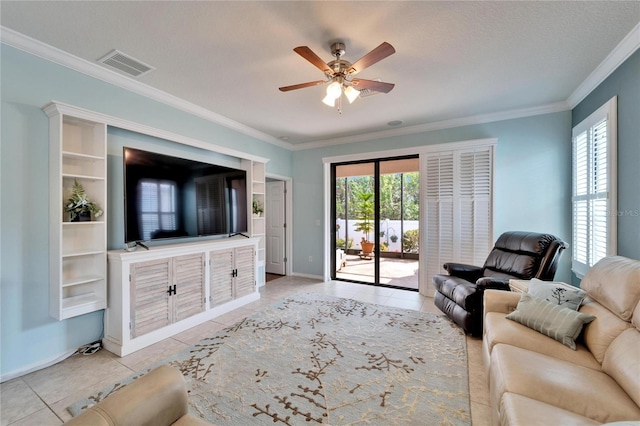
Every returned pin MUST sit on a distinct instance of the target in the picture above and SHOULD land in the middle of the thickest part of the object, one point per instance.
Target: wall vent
(125, 63)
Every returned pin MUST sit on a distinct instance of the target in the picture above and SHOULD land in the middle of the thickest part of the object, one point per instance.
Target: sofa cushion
(584, 391)
(635, 319)
(614, 283)
(557, 293)
(498, 330)
(518, 410)
(621, 362)
(561, 324)
(599, 334)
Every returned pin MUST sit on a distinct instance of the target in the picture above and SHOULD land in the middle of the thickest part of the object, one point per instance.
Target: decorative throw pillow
(558, 294)
(561, 324)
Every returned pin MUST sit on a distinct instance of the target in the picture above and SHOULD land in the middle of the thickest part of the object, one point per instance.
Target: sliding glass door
(376, 215)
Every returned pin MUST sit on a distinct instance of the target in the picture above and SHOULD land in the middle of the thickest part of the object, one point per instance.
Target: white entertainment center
(157, 293)
(152, 294)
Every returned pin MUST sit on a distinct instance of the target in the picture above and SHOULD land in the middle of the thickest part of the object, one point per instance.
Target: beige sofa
(158, 398)
(536, 380)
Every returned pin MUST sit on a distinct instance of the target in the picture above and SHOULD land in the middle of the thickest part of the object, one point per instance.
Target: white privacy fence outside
(390, 229)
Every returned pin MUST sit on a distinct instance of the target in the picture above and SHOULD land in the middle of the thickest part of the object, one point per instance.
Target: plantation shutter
(188, 277)
(457, 203)
(244, 261)
(221, 276)
(439, 210)
(474, 188)
(149, 284)
(594, 188)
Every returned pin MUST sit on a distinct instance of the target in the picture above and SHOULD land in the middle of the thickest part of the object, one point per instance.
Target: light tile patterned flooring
(40, 398)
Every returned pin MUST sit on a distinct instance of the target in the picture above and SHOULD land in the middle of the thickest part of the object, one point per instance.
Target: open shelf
(81, 304)
(82, 280)
(77, 264)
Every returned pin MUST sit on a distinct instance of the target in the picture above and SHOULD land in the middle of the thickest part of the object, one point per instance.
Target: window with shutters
(594, 174)
(458, 206)
(157, 207)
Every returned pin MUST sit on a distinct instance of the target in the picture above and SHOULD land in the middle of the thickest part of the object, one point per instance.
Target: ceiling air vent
(125, 63)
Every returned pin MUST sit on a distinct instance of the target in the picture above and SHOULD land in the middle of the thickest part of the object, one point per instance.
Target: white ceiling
(453, 59)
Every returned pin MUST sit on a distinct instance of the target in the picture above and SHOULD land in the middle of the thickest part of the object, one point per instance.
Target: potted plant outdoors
(365, 212)
(79, 206)
(258, 209)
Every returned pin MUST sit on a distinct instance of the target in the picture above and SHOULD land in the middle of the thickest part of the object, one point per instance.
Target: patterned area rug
(319, 359)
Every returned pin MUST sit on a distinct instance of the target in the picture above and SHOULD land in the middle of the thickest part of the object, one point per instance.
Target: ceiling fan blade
(302, 85)
(376, 86)
(308, 54)
(376, 55)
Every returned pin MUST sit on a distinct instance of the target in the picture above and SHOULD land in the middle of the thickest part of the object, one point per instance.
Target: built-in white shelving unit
(78, 262)
(188, 278)
(257, 179)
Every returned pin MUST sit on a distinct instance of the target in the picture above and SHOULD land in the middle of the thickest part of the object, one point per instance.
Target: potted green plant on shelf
(79, 206)
(364, 210)
(258, 209)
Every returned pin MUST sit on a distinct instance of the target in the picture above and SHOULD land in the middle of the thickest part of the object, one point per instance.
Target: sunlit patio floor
(395, 272)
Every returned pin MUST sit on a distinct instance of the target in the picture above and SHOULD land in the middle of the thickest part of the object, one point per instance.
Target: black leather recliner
(519, 255)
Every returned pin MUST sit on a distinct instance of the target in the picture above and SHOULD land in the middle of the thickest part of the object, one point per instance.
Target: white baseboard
(315, 277)
(35, 367)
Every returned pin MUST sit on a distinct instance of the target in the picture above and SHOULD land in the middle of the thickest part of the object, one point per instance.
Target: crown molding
(618, 55)
(438, 125)
(53, 54)
(55, 107)
(414, 150)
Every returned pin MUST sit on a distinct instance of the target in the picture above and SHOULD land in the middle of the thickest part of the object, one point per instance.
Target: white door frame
(288, 232)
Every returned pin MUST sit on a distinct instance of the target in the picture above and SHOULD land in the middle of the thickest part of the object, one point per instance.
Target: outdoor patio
(395, 272)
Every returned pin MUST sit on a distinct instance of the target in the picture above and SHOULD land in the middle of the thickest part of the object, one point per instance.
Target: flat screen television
(171, 197)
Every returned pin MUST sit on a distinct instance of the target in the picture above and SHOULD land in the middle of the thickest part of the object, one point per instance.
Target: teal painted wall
(624, 83)
(28, 336)
(532, 180)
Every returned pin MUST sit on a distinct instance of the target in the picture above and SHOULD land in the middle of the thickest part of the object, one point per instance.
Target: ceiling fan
(340, 73)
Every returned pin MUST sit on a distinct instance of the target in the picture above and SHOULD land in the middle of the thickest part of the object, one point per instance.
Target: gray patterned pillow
(558, 294)
(561, 324)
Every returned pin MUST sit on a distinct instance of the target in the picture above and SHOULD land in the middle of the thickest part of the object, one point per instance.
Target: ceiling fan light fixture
(351, 93)
(334, 90)
(329, 101)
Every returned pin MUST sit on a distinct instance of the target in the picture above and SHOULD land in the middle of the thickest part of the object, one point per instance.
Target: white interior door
(275, 232)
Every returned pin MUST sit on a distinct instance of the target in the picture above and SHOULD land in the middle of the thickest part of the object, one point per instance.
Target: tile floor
(40, 398)
(395, 272)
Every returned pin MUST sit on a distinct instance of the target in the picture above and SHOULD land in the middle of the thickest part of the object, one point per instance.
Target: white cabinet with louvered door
(149, 296)
(165, 291)
(156, 293)
(232, 274)
(245, 280)
(221, 272)
(188, 297)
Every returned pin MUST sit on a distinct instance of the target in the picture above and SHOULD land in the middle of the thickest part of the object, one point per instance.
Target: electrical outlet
(310, 258)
